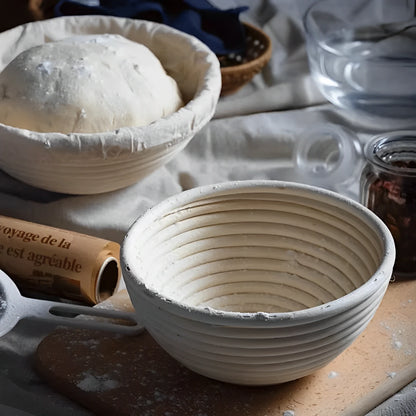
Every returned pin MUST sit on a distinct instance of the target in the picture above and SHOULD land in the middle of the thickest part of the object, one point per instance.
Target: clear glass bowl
(362, 55)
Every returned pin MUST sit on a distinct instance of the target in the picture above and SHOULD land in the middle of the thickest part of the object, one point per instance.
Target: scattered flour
(93, 343)
(94, 383)
(397, 345)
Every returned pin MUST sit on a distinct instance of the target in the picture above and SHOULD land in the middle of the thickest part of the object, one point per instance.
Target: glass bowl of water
(362, 54)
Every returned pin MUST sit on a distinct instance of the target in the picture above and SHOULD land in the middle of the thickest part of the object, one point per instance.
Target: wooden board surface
(121, 375)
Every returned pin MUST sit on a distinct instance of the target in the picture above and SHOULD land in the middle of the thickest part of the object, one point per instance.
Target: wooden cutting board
(121, 375)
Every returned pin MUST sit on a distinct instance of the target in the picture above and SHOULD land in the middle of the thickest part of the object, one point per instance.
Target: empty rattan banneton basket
(257, 282)
(238, 70)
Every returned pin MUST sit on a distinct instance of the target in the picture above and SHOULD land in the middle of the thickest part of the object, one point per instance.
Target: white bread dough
(86, 84)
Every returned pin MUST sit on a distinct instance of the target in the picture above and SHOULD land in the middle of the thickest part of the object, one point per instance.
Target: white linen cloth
(252, 135)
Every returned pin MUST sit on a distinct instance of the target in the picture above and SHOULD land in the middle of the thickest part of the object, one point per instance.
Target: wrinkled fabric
(219, 29)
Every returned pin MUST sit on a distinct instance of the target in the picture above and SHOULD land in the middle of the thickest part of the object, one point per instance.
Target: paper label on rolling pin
(59, 262)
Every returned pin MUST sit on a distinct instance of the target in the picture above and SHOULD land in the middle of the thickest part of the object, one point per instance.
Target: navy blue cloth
(220, 30)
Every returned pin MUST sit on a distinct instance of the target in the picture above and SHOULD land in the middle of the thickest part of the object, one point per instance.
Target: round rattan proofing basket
(81, 163)
(257, 282)
(258, 53)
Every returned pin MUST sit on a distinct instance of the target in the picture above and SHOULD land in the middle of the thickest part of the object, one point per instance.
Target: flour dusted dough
(86, 84)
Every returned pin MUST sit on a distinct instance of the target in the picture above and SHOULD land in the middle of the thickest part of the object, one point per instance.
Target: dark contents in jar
(393, 198)
(410, 164)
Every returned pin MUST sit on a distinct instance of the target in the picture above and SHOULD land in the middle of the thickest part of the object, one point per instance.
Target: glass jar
(388, 188)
